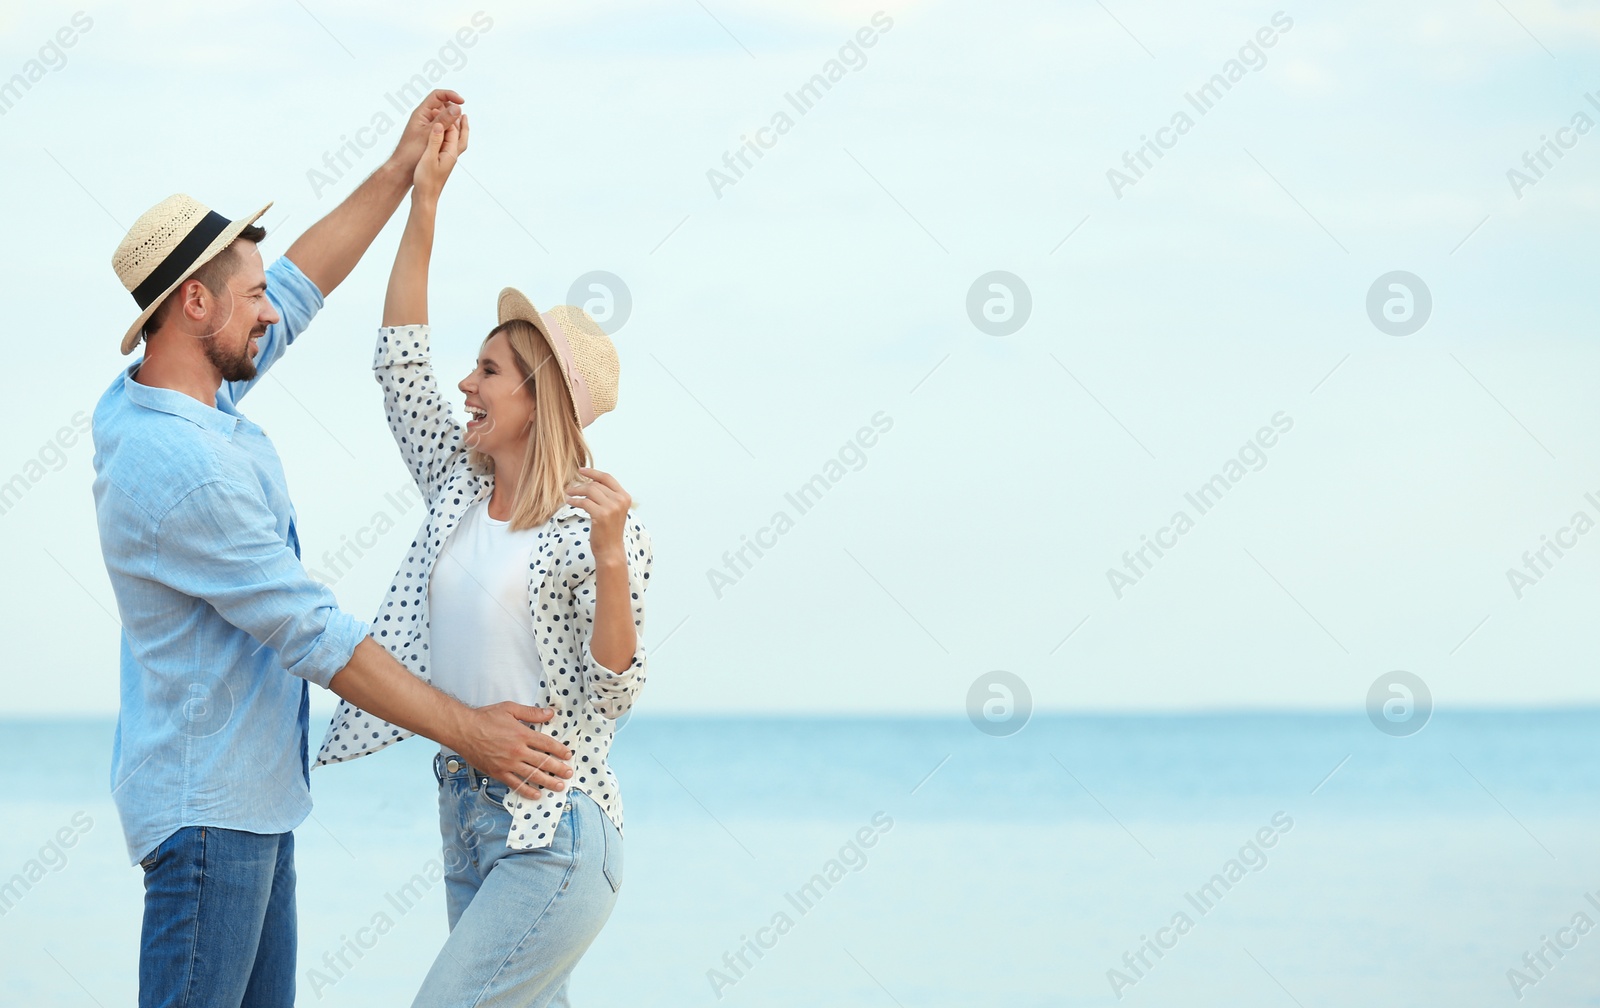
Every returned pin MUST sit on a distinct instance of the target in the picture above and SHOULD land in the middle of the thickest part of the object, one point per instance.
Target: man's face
(243, 313)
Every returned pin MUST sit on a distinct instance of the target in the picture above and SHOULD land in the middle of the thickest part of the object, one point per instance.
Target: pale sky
(774, 317)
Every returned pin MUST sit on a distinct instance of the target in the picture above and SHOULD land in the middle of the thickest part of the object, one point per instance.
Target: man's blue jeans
(219, 921)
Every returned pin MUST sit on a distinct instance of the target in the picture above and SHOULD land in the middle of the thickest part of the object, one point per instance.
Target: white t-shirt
(484, 645)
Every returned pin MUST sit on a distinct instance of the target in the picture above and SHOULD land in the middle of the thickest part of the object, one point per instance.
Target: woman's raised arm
(406, 302)
(427, 434)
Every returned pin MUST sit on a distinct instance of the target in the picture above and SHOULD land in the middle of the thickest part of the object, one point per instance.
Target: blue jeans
(219, 921)
(519, 919)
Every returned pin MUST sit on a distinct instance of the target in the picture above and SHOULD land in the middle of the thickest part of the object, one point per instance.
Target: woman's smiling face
(499, 399)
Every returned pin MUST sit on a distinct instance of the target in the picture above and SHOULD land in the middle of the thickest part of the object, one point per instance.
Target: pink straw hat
(583, 351)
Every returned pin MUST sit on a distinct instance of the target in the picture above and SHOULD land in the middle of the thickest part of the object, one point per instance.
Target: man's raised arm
(331, 247)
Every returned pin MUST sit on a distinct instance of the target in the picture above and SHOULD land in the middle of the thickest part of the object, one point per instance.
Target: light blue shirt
(222, 626)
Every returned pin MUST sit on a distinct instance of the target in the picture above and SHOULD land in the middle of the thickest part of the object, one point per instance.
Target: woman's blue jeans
(519, 919)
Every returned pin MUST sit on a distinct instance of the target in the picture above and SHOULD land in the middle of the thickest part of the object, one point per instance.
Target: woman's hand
(446, 142)
(607, 504)
(442, 105)
(614, 641)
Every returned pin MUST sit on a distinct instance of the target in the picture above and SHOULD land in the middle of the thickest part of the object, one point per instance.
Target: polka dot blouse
(586, 696)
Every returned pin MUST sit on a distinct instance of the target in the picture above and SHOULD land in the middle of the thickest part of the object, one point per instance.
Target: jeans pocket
(612, 866)
(173, 844)
(494, 793)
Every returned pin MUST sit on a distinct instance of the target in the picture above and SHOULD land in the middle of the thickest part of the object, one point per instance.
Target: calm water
(1016, 871)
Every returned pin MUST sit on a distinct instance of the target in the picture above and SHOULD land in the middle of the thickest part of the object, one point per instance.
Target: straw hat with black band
(583, 351)
(163, 249)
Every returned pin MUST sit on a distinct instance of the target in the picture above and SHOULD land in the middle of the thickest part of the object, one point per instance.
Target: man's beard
(234, 367)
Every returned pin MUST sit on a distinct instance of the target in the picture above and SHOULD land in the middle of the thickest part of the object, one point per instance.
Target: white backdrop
(1031, 440)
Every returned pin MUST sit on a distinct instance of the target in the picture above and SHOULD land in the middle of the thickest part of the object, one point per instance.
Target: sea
(1263, 858)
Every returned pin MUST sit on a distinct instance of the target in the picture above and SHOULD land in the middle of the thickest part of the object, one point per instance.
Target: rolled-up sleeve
(612, 692)
(219, 543)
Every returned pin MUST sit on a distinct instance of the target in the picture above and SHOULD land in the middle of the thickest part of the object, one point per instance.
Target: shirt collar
(179, 404)
(569, 512)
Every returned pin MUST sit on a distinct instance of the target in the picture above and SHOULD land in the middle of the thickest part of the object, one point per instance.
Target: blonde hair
(555, 447)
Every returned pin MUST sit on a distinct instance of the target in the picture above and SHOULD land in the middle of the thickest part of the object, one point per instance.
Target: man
(222, 627)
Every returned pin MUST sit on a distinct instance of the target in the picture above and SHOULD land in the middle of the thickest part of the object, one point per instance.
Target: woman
(526, 583)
